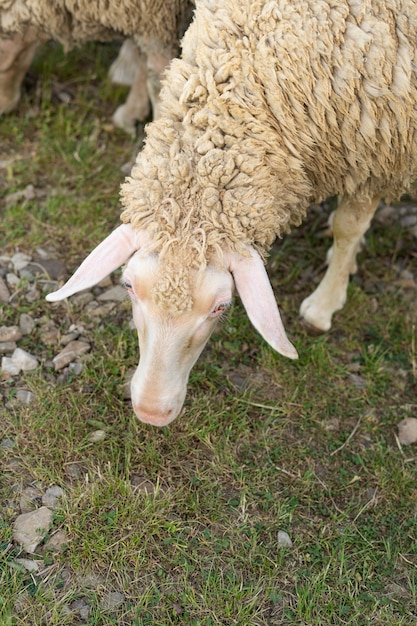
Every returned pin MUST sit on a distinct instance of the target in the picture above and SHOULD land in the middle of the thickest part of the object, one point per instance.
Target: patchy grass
(184, 521)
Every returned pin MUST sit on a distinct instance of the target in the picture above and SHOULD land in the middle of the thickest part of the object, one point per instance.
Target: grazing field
(281, 495)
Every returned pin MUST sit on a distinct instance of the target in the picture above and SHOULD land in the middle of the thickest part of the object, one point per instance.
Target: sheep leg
(16, 54)
(349, 225)
(137, 107)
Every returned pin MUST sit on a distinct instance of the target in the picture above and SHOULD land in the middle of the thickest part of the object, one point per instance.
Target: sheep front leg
(16, 54)
(349, 225)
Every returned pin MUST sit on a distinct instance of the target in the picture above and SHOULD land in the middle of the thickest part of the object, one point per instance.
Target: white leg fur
(349, 225)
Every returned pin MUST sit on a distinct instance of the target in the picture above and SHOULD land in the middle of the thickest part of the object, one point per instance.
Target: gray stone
(9, 367)
(12, 279)
(284, 539)
(51, 496)
(33, 294)
(30, 498)
(25, 396)
(58, 542)
(7, 443)
(7, 346)
(20, 260)
(28, 564)
(24, 360)
(71, 351)
(112, 600)
(115, 294)
(4, 292)
(10, 333)
(26, 324)
(29, 529)
(53, 268)
(97, 435)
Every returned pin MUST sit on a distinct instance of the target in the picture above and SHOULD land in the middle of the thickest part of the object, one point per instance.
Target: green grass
(263, 444)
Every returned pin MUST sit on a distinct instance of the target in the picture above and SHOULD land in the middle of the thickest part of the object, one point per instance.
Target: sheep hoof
(310, 328)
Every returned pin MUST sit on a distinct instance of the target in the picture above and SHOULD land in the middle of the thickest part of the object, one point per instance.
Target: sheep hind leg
(16, 54)
(349, 225)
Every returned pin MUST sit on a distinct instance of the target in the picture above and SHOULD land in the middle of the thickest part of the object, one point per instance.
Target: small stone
(7, 346)
(10, 333)
(71, 351)
(30, 498)
(7, 443)
(9, 367)
(32, 294)
(20, 260)
(407, 431)
(24, 396)
(101, 311)
(28, 564)
(12, 279)
(284, 539)
(53, 268)
(97, 435)
(24, 360)
(115, 294)
(29, 529)
(26, 324)
(4, 292)
(112, 600)
(81, 607)
(51, 496)
(58, 542)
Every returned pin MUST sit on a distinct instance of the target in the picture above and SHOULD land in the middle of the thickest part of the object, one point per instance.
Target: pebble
(71, 351)
(115, 294)
(10, 333)
(4, 292)
(24, 396)
(20, 260)
(12, 279)
(26, 324)
(112, 600)
(28, 564)
(29, 529)
(97, 435)
(25, 361)
(7, 346)
(30, 499)
(52, 495)
(284, 539)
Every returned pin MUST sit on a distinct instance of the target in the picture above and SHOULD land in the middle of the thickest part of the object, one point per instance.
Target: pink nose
(155, 419)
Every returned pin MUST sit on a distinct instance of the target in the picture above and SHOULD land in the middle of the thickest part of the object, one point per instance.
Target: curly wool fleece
(272, 106)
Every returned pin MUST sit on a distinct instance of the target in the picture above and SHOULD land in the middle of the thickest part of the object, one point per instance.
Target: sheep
(273, 106)
(156, 31)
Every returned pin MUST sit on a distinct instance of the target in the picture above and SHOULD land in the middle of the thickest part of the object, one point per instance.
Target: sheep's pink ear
(253, 286)
(107, 257)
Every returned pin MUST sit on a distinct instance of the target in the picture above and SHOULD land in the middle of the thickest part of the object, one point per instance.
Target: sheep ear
(253, 286)
(110, 254)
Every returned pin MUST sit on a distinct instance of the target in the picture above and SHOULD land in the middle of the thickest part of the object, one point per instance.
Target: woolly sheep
(273, 105)
(156, 31)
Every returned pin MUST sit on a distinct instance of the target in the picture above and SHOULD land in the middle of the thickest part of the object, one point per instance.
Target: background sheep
(272, 106)
(156, 31)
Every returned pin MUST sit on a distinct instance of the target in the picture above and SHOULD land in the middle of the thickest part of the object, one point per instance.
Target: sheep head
(171, 338)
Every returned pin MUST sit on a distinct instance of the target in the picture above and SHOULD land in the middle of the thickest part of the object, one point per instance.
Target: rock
(20, 260)
(7, 346)
(53, 268)
(12, 279)
(115, 294)
(112, 600)
(7, 443)
(81, 607)
(24, 360)
(97, 435)
(28, 564)
(58, 542)
(4, 292)
(407, 431)
(71, 351)
(30, 499)
(51, 496)
(284, 539)
(24, 396)
(33, 294)
(26, 324)
(10, 333)
(29, 529)
(9, 367)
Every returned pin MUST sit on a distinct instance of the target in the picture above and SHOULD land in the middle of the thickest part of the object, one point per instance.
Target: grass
(184, 521)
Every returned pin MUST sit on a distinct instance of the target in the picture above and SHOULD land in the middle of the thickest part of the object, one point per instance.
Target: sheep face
(170, 340)
(170, 343)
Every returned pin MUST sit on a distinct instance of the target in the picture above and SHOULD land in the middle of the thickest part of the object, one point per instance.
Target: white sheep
(273, 105)
(156, 31)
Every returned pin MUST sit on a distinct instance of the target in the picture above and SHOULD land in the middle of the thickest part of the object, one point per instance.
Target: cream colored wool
(273, 105)
(155, 25)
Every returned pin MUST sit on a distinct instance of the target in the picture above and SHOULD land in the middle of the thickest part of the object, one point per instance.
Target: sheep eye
(127, 285)
(220, 309)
